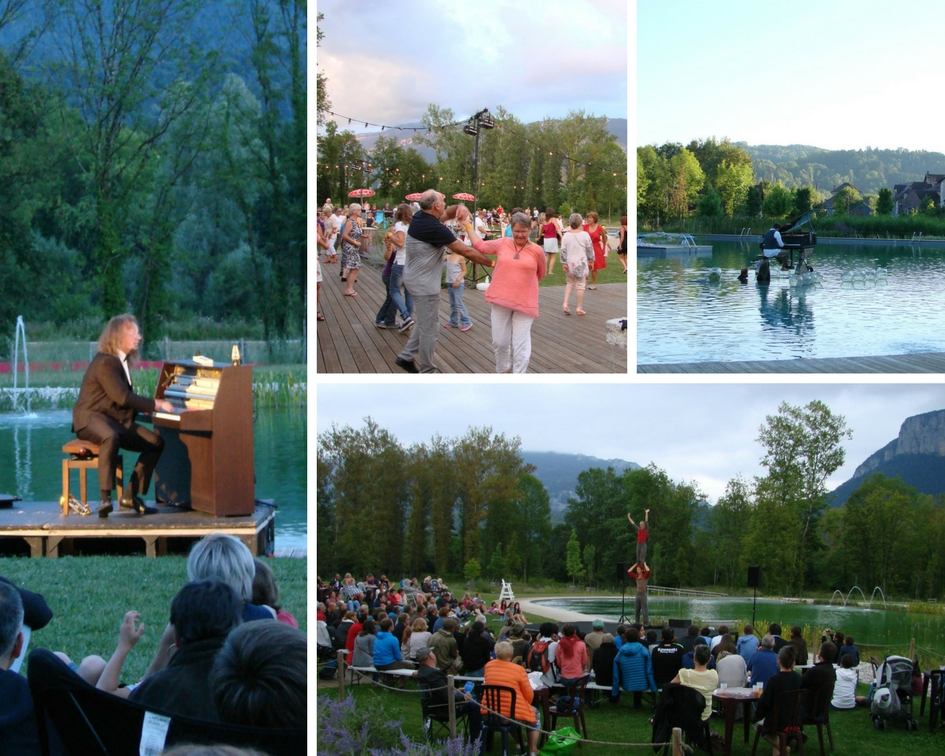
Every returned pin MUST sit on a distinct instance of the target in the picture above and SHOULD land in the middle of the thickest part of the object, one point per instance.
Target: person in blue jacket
(633, 668)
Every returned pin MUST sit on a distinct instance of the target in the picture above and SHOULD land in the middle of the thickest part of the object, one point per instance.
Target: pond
(685, 316)
(31, 452)
(868, 626)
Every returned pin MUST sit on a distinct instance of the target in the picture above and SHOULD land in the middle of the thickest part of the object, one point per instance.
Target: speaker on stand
(622, 568)
(754, 582)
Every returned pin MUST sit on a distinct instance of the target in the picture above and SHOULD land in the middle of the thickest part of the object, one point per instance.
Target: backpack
(537, 660)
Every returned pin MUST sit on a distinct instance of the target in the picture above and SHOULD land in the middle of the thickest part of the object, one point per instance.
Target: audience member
(18, 734)
(691, 639)
(667, 658)
(775, 630)
(844, 690)
(266, 592)
(387, 654)
(700, 677)
(260, 676)
(416, 636)
(763, 664)
(633, 668)
(501, 671)
(800, 644)
(783, 681)
(434, 678)
(848, 647)
(571, 656)
(821, 674)
(477, 650)
(445, 646)
(364, 645)
(747, 644)
(221, 556)
(594, 638)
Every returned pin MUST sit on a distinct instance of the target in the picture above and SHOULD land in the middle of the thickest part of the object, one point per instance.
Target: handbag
(561, 742)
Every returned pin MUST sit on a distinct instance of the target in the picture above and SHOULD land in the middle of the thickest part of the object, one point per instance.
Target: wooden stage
(348, 341)
(47, 532)
(897, 363)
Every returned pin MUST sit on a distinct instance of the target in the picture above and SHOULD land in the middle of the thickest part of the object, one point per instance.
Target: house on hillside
(908, 198)
(861, 209)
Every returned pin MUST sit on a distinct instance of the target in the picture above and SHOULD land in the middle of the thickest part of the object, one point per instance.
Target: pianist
(772, 241)
(105, 414)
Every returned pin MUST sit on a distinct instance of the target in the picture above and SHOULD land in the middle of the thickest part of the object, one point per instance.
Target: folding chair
(95, 723)
(436, 717)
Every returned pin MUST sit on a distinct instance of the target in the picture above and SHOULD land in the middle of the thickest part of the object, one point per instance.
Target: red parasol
(464, 196)
(414, 197)
(361, 193)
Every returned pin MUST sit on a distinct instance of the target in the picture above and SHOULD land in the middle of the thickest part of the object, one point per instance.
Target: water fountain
(855, 588)
(842, 599)
(873, 595)
(18, 333)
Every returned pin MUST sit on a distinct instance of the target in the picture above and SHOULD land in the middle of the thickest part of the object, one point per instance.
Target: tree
(884, 202)
(801, 450)
(323, 104)
(753, 202)
(730, 521)
(845, 198)
(534, 527)
(686, 180)
(778, 202)
(710, 204)
(472, 570)
(803, 199)
(732, 182)
(575, 569)
(590, 562)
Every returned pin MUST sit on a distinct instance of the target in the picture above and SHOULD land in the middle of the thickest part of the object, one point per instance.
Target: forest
(468, 506)
(153, 159)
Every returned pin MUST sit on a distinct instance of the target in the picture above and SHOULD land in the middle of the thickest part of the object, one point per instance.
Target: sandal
(581, 312)
(351, 293)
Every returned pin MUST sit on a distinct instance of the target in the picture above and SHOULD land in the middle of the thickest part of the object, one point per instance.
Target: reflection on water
(31, 454)
(683, 316)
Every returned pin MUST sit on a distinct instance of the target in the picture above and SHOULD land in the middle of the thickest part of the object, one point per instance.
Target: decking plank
(932, 362)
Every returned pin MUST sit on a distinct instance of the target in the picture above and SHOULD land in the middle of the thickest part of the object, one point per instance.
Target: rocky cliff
(921, 434)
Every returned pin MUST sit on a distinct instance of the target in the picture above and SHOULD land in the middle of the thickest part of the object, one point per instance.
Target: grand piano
(794, 238)
(207, 462)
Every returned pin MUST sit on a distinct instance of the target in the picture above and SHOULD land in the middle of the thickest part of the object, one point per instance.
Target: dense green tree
(534, 528)
(884, 202)
(710, 204)
(321, 86)
(778, 201)
(686, 180)
(753, 202)
(575, 568)
(732, 181)
(730, 522)
(845, 198)
(803, 200)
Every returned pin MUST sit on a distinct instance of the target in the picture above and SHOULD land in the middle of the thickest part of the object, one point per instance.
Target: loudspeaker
(622, 568)
(679, 624)
(754, 577)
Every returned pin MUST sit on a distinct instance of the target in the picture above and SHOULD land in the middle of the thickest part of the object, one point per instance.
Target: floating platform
(673, 250)
(45, 531)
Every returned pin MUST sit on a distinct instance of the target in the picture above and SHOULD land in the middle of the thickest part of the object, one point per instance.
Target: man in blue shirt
(387, 649)
(763, 664)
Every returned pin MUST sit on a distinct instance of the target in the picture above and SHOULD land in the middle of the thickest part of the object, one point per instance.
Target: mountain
(869, 170)
(559, 472)
(917, 456)
(406, 137)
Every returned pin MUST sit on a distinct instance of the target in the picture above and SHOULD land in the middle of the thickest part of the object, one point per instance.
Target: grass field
(90, 595)
(620, 724)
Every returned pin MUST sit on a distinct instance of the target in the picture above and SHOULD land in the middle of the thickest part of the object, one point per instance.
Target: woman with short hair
(351, 249)
(577, 257)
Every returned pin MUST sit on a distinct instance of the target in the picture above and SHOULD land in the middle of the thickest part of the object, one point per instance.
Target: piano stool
(83, 456)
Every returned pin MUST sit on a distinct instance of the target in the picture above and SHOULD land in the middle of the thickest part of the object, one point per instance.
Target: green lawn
(90, 595)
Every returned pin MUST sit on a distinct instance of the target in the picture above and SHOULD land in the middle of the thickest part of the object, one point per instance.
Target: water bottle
(468, 687)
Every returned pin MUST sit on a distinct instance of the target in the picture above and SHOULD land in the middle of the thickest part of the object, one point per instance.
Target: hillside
(917, 456)
(869, 170)
(559, 472)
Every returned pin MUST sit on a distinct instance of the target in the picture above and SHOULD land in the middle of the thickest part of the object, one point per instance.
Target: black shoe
(137, 504)
(104, 508)
(409, 365)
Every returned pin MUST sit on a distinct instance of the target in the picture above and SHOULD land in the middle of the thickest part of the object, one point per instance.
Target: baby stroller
(892, 694)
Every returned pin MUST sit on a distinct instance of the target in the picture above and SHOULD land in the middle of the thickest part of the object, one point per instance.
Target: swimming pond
(686, 312)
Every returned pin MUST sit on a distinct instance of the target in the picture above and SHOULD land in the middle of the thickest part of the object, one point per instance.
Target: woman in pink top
(513, 293)
(571, 656)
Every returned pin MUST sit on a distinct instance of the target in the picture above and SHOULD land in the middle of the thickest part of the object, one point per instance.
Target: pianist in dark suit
(772, 241)
(105, 414)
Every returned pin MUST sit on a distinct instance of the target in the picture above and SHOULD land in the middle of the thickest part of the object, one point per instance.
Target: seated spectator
(593, 639)
(723, 633)
(633, 668)
(18, 734)
(364, 645)
(700, 677)
(747, 644)
(520, 644)
(442, 614)
(36, 615)
(266, 592)
(689, 659)
(783, 681)
(400, 627)
(800, 645)
(501, 671)
(260, 676)
(220, 556)
(416, 636)
(342, 629)
(848, 647)
(571, 656)
(821, 674)
(477, 650)
(763, 664)
(726, 643)
(691, 639)
(356, 629)
(603, 664)
(844, 689)
(387, 654)
(667, 658)
(775, 630)
(202, 615)
(435, 680)
(732, 669)
(445, 647)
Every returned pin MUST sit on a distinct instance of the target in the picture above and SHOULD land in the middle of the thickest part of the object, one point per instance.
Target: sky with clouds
(837, 75)
(696, 432)
(386, 62)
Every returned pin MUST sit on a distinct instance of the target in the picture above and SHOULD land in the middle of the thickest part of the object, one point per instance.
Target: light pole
(481, 120)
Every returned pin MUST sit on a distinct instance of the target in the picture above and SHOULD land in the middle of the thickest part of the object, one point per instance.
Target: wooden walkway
(898, 363)
(348, 342)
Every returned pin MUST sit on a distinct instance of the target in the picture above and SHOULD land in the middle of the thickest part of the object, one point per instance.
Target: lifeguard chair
(506, 592)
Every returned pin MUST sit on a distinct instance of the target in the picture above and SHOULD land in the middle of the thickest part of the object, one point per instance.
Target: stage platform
(47, 532)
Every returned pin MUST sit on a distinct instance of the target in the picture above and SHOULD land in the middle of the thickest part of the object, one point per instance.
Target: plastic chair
(436, 717)
(787, 713)
(818, 714)
(574, 708)
(96, 723)
(492, 698)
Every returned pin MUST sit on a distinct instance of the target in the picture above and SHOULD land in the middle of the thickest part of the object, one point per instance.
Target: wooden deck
(897, 363)
(348, 342)
(47, 532)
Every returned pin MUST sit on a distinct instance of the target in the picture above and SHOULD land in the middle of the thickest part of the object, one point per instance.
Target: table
(730, 701)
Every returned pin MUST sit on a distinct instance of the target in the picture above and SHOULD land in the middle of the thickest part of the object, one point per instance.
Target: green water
(31, 455)
(873, 626)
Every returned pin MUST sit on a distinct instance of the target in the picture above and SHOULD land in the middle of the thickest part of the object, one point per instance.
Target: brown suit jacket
(106, 390)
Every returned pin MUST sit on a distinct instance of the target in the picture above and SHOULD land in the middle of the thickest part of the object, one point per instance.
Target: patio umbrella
(414, 197)
(361, 193)
(464, 196)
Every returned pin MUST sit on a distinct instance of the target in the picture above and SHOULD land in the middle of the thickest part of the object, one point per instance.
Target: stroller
(892, 694)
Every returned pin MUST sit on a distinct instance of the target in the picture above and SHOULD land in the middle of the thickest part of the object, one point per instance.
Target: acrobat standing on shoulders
(643, 531)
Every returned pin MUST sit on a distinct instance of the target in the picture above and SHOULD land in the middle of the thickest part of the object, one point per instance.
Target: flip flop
(319, 317)
(351, 293)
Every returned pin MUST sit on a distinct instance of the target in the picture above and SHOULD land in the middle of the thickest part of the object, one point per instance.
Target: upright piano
(207, 462)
